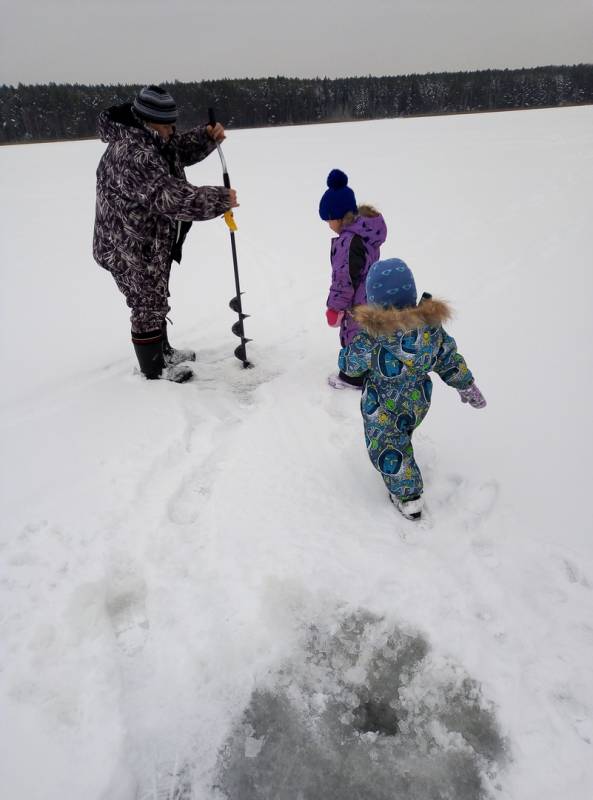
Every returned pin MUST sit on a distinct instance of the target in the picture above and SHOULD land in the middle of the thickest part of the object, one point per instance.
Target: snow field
(166, 550)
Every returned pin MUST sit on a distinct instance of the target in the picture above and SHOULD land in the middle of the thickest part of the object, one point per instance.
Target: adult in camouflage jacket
(144, 209)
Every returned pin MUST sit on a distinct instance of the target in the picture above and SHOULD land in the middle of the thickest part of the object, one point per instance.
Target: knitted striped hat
(154, 104)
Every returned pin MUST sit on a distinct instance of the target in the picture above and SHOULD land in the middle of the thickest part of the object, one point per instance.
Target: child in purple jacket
(360, 233)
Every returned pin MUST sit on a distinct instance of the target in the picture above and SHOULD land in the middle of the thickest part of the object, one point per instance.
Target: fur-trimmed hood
(379, 321)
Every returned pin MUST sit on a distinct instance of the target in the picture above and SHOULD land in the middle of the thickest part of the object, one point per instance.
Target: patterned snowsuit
(369, 233)
(145, 207)
(395, 352)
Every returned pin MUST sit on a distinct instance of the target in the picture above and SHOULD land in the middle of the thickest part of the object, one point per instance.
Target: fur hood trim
(379, 321)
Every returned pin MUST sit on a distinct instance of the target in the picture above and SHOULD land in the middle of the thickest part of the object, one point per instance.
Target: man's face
(164, 131)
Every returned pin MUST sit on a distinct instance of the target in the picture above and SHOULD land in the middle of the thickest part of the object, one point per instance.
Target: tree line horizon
(49, 112)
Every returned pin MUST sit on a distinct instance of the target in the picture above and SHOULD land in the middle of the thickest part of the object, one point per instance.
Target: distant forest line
(69, 111)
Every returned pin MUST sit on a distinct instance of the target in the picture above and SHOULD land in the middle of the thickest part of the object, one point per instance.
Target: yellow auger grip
(230, 220)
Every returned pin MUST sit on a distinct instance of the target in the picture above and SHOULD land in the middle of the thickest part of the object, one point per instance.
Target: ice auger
(235, 303)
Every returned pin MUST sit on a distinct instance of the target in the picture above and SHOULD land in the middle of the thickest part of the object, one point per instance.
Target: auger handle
(225, 173)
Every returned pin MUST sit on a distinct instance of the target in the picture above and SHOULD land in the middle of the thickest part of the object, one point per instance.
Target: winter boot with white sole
(409, 507)
(341, 381)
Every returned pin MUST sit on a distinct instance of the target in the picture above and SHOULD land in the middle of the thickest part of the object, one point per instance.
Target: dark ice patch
(364, 711)
(375, 716)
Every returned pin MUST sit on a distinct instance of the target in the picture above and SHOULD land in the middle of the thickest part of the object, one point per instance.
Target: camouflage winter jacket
(144, 203)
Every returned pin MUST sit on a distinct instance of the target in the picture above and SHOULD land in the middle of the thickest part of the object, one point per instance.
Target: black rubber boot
(171, 354)
(149, 351)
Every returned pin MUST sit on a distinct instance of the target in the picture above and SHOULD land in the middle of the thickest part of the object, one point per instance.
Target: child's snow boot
(409, 507)
(172, 355)
(343, 381)
(149, 351)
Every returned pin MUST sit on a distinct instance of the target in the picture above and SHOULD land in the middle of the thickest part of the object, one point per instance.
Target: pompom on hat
(154, 104)
(390, 283)
(338, 199)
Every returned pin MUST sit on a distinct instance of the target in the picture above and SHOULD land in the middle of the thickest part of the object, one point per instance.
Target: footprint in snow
(167, 783)
(575, 574)
(479, 502)
(184, 506)
(444, 490)
(579, 715)
(126, 607)
(486, 550)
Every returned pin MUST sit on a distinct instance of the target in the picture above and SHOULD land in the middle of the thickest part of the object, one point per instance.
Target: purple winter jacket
(343, 295)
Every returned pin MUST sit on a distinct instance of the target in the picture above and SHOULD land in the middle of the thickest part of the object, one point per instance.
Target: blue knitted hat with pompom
(391, 283)
(339, 198)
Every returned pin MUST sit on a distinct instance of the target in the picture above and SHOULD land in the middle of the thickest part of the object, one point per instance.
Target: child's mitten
(473, 396)
(334, 318)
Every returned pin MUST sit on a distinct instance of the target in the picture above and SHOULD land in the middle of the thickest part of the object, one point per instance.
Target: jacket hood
(120, 122)
(373, 228)
(379, 321)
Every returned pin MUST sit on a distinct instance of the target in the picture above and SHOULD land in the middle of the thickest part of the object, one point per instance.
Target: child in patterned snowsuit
(399, 345)
(361, 232)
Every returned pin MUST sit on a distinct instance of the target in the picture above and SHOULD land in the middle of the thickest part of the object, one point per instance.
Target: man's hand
(217, 132)
(233, 198)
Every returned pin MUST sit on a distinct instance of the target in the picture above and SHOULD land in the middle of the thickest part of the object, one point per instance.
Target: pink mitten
(334, 318)
(473, 396)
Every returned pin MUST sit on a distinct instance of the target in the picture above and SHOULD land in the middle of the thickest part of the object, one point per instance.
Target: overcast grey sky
(143, 41)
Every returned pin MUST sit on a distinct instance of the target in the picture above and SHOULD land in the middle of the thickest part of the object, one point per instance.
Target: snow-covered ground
(202, 585)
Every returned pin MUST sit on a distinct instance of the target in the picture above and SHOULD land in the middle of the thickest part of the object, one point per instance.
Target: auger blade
(241, 354)
(235, 303)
